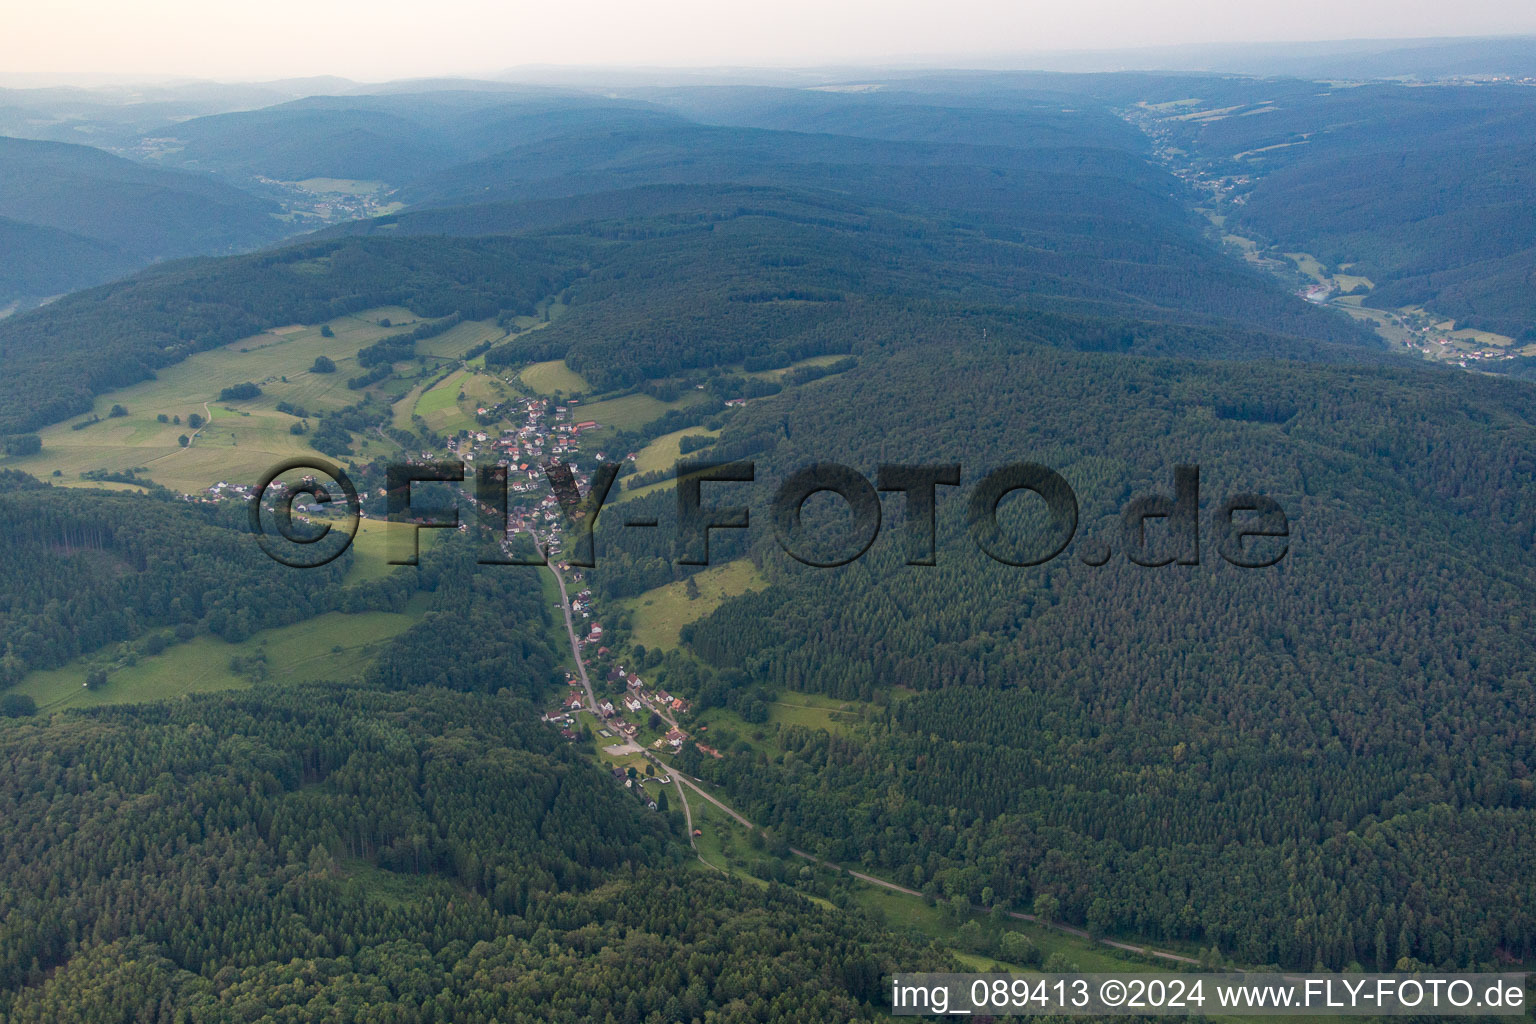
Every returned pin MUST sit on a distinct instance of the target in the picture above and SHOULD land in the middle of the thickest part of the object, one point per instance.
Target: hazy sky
(385, 39)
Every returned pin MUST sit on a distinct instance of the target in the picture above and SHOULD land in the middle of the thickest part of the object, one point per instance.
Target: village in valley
(198, 432)
(1222, 187)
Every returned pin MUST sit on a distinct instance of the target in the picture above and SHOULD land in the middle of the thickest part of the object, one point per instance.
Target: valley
(648, 789)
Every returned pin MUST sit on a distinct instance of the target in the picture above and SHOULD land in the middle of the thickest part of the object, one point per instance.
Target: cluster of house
(635, 701)
(622, 726)
(636, 692)
(521, 448)
(223, 490)
(620, 775)
(564, 717)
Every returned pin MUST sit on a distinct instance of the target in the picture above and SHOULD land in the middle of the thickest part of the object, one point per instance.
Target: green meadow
(631, 412)
(243, 438)
(459, 339)
(664, 452)
(657, 616)
(783, 370)
(376, 542)
(334, 646)
(554, 376)
(440, 407)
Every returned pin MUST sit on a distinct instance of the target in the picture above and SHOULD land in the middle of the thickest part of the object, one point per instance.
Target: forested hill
(130, 214)
(427, 857)
(1327, 761)
(1426, 190)
(394, 137)
(412, 845)
(43, 261)
(684, 257)
(58, 358)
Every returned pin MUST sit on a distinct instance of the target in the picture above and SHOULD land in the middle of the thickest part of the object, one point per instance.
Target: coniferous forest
(1322, 762)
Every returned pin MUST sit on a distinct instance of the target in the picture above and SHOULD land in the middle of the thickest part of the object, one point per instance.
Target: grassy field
(657, 615)
(405, 405)
(1245, 154)
(331, 646)
(548, 378)
(242, 439)
(1170, 105)
(783, 370)
(483, 389)
(663, 452)
(371, 548)
(1309, 265)
(811, 711)
(1248, 245)
(814, 711)
(440, 406)
(1349, 282)
(340, 186)
(1482, 339)
(899, 910)
(1214, 114)
(632, 411)
(454, 342)
(714, 824)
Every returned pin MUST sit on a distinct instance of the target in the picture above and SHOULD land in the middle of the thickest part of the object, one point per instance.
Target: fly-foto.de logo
(1247, 530)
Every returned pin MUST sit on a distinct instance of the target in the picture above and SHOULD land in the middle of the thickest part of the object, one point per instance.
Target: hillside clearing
(658, 615)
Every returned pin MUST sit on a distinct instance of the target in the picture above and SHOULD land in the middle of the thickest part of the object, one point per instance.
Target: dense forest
(405, 846)
(416, 857)
(1327, 761)
(1146, 743)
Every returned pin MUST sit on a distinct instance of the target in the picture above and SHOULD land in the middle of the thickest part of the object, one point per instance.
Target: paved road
(570, 631)
(872, 880)
(681, 780)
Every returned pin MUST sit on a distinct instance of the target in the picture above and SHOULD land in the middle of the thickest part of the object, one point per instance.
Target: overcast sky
(377, 40)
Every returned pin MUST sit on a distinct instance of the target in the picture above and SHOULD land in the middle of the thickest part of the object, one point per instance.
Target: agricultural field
(241, 438)
(658, 615)
(664, 452)
(782, 371)
(632, 412)
(454, 342)
(554, 377)
(334, 646)
(376, 542)
(440, 406)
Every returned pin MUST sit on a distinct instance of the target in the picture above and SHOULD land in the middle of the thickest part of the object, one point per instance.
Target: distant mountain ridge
(94, 216)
